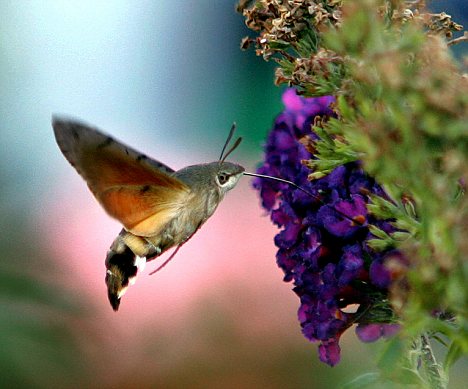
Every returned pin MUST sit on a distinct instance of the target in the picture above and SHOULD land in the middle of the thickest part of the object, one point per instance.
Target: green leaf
(379, 233)
(279, 45)
(400, 235)
(393, 353)
(330, 152)
(379, 244)
(363, 381)
(395, 363)
(454, 353)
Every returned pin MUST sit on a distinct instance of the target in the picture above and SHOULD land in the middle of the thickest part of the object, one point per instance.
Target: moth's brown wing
(136, 190)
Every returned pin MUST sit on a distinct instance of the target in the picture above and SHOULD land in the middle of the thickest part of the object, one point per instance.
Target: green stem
(435, 376)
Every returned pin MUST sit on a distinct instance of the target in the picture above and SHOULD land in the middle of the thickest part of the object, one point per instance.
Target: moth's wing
(138, 191)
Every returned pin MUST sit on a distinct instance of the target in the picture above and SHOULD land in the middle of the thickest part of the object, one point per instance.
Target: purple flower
(322, 241)
(344, 218)
(372, 332)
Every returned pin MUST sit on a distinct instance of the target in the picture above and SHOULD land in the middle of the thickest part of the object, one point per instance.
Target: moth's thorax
(195, 212)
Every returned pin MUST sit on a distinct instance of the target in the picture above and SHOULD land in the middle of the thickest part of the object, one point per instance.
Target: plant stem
(435, 376)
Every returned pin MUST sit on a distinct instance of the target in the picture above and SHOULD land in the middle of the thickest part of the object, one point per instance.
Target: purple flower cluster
(322, 242)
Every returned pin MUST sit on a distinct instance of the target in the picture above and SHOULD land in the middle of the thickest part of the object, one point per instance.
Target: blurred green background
(169, 79)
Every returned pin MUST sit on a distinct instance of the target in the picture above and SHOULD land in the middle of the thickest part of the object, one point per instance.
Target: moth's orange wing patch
(134, 189)
(143, 210)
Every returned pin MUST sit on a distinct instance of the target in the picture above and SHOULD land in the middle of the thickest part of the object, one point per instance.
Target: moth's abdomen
(120, 270)
(126, 255)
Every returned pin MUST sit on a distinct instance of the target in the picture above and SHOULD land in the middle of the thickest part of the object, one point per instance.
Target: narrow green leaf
(363, 381)
(378, 232)
(454, 353)
(379, 244)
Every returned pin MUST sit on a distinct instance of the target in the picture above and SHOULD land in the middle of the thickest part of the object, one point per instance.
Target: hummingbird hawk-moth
(158, 207)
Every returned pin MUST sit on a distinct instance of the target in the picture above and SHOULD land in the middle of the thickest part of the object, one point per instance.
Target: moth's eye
(222, 178)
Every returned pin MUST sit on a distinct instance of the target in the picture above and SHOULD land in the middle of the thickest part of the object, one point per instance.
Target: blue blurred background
(169, 79)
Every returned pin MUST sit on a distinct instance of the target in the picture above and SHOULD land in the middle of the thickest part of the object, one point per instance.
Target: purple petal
(288, 237)
(369, 332)
(379, 274)
(350, 264)
(390, 330)
(283, 215)
(329, 352)
(292, 101)
(354, 207)
(335, 223)
(284, 141)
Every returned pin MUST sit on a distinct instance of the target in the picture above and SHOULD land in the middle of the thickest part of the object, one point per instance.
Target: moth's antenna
(354, 220)
(234, 146)
(231, 133)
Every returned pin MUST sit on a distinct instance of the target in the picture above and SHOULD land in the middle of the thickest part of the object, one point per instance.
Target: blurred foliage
(39, 348)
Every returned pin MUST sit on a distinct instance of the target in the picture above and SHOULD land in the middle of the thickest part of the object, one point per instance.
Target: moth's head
(226, 175)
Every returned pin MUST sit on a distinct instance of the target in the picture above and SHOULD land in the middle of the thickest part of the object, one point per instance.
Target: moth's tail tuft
(121, 269)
